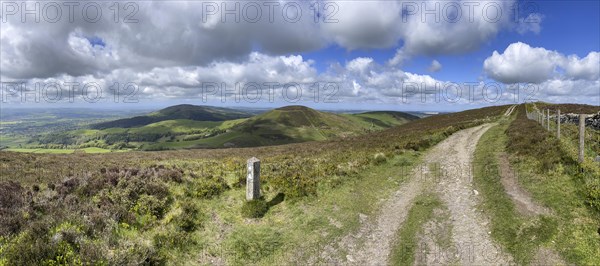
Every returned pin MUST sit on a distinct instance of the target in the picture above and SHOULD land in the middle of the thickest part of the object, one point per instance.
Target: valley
(194, 127)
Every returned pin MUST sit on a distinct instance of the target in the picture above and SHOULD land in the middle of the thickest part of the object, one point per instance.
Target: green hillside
(183, 111)
(383, 119)
(293, 124)
(181, 127)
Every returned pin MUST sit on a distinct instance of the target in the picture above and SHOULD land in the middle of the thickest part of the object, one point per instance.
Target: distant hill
(386, 119)
(190, 126)
(183, 111)
(298, 124)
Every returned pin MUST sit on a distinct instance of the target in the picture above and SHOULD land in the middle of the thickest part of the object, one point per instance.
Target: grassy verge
(295, 231)
(406, 242)
(521, 236)
(552, 178)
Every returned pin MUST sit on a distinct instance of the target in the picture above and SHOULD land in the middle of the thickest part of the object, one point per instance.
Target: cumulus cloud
(360, 65)
(183, 33)
(173, 47)
(366, 24)
(166, 34)
(456, 27)
(521, 63)
(585, 68)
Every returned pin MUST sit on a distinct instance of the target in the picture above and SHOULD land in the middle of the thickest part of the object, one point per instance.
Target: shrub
(171, 239)
(12, 207)
(206, 188)
(190, 218)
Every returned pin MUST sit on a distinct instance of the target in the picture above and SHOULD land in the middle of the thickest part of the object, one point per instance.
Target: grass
(12, 141)
(545, 171)
(310, 223)
(406, 243)
(520, 236)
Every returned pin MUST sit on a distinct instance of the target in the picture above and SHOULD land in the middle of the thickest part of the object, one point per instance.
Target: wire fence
(567, 128)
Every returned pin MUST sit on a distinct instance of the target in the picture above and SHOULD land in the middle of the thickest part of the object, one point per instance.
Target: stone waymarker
(253, 179)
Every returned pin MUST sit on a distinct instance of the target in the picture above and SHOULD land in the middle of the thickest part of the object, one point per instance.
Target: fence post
(558, 124)
(543, 118)
(548, 119)
(581, 137)
(253, 179)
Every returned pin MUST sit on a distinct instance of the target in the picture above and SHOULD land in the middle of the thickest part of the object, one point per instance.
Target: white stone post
(253, 179)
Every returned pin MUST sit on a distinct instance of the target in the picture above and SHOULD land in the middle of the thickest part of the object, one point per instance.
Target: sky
(371, 55)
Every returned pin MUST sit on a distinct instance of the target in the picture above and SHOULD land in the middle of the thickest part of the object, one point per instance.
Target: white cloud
(366, 24)
(171, 51)
(175, 33)
(399, 58)
(585, 68)
(360, 65)
(478, 22)
(356, 87)
(521, 63)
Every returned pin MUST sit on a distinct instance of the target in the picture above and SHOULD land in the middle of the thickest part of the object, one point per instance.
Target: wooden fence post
(543, 118)
(581, 137)
(558, 124)
(548, 119)
(253, 179)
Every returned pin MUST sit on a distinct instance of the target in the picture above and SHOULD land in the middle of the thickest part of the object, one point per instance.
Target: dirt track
(372, 243)
(470, 233)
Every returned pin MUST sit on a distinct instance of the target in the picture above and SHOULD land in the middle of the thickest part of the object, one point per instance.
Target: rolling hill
(183, 111)
(293, 124)
(189, 126)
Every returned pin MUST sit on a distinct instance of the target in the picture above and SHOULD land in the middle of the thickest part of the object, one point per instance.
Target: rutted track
(372, 243)
(471, 236)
